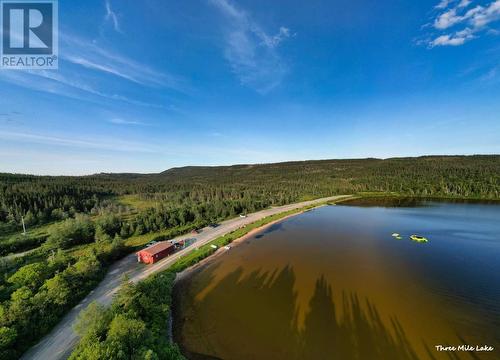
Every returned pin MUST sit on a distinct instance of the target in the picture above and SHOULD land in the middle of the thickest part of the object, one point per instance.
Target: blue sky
(147, 85)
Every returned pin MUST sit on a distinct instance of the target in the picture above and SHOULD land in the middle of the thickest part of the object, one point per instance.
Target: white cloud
(252, 52)
(104, 144)
(100, 67)
(447, 19)
(456, 39)
(104, 68)
(490, 76)
(464, 3)
(486, 15)
(85, 85)
(472, 21)
(54, 82)
(443, 4)
(91, 56)
(112, 16)
(274, 40)
(119, 121)
(113, 151)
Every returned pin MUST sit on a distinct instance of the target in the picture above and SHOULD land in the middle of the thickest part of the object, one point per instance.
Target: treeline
(40, 199)
(134, 327)
(167, 216)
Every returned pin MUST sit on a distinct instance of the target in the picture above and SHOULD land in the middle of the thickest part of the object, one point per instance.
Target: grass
(141, 240)
(135, 204)
(15, 242)
(377, 194)
(134, 201)
(31, 231)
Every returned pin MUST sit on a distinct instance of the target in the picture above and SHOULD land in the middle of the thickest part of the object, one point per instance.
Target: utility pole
(24, 226)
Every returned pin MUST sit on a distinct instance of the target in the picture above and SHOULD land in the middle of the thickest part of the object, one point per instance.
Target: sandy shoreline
(198, 266)
(174, 321)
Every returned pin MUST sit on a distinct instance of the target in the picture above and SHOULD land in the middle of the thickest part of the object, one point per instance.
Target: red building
(155, 253)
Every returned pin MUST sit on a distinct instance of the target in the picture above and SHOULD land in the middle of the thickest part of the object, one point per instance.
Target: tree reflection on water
(264, 325)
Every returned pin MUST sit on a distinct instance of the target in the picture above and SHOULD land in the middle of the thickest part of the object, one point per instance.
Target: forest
(78, 226)
(134, 327)
(40, 199)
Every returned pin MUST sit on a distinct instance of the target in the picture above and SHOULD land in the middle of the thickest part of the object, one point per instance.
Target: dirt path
(59, 343)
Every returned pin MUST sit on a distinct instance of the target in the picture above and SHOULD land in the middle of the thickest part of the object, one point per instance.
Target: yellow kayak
(418, 238)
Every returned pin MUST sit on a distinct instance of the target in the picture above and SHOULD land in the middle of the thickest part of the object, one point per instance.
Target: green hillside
(44, 198)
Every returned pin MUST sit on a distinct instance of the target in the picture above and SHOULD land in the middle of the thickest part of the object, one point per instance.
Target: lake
(332, 283)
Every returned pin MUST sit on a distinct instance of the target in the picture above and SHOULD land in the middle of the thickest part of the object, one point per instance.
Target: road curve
(59, 343)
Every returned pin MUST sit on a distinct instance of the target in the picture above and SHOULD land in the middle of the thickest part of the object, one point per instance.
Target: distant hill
(440, 176)
(332, 165)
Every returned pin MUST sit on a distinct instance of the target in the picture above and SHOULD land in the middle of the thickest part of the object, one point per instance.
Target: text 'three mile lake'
(333, 283)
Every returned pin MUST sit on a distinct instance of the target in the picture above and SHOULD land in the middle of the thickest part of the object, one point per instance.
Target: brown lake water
(333, 283)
